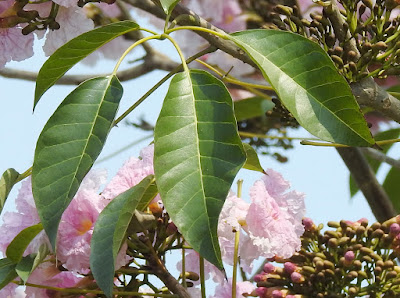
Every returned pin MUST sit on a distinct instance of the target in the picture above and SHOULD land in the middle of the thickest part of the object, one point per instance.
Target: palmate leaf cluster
(198, 151)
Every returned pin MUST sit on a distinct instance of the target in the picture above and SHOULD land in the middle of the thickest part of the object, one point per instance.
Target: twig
(379, 156)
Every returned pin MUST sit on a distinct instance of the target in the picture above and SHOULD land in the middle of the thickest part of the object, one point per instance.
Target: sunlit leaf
(74, 51)
(68, 146)
(7, 181)
(24, 267)
(375, 164)
(197, 154)
(110, 230)
(17, 247)
(168, 5)
(252, 161)
(252, 107)
(308, 84)
(7, 272)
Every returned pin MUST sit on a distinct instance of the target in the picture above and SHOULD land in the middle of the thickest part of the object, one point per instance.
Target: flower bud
(289, 267)
(297, 277)
(276, 294)
(308, 224)
(284, 10)
(349, 257)
(394, 229)
(269, 268)
(261, 291)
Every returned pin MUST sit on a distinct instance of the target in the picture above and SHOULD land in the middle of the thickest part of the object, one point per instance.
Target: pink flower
(14, 46)
(26, 216)
(73, 22)
(47, 274)
(224, 290)
(131, 173)
(9, 291)
(77, 223)
(274, 219)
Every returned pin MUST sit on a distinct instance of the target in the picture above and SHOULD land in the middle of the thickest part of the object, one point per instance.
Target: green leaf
(168, 5)
(197, 154)
(29, 263)
(375, 164)
(392, 187)
(24, 267)
(17, 247)
(68, 146)
(7, 181)
(252, 161)
(252, 107)
(74, 51)
(7, 272)
(110, 230)
(308, 84)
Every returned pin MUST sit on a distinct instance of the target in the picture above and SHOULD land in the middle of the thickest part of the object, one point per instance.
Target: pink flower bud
(261, 291)
(296, 277)
(308, 224)
(289, 267)
(277, 294)
(260, 277)
(349, 256)
(269, 268)
(394, 229)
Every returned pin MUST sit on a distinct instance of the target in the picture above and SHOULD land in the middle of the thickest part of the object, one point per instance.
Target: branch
(194, 20)
(379, 156)
(151, 62)
(362, 173)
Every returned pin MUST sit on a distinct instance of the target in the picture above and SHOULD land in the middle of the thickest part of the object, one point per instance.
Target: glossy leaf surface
(7, 272)
(375, 164)
(74, 51)
(68, 146)
(308, 84)
(252, 107)
(17, 247)
(168, 5)
(197, 154)
(111, 227)
(7, 181)
(252, 161)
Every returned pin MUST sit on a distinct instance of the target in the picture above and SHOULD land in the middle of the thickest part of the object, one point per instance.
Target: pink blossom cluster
(76, 226)
(73, 21)
(269, 226)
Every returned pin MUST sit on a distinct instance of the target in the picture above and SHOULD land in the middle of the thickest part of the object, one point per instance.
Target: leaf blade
(197, 154)
(252, 162)
(252, 107)
(74, 51)
(7, 272)
(17, 247)
(69, 144)
(7, 181)
(308, 84)
(168, 5)
(110, 229)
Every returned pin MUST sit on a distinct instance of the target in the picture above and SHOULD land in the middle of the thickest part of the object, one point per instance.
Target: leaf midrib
(312, 96)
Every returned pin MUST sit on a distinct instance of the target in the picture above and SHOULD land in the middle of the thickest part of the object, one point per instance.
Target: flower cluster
(270, 226)
(353, 259)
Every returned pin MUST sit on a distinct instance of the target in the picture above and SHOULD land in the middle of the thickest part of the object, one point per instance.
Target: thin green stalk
(178, 49)
(184, 268)
(124, 148)
(24, 175)
(86, 291)
(232, 80)
(162, 81)
(235, 262)
(261, 136)
(195, 28)
(128, 50)
(202, 279)
(322, 144)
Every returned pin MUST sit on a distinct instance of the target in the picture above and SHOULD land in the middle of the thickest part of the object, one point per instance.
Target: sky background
(318, 172)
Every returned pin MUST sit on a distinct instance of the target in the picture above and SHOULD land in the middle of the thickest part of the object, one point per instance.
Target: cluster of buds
(353, 259)
(367, 25)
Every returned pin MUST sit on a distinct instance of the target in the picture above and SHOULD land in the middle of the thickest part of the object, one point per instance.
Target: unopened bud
(296, 277)
(269, 268)
(379, 46)
(352, 275)
(289, 267)
(391, 274)
(29, 29)
(284, 10)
